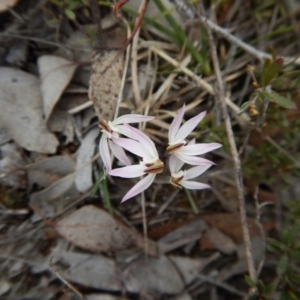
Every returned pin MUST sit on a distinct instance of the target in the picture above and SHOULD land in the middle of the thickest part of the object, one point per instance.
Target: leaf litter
(21, 111)
(47, 157)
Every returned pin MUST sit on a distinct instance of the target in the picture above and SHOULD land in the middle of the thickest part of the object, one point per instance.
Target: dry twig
(234, 152)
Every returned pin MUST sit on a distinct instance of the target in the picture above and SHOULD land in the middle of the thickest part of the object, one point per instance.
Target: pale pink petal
(139, 187)
(192, 142)
(193, 160)
(144, 140)
(132, 118)
(195, 172)
(194, 185)
(175, 164)
(132, 146)
(198, 149)
(119, 153)
(104, 152)
(128, 172)
(175, 125)
(189, 126)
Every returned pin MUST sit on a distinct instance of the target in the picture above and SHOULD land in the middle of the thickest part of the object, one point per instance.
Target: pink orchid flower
(150, 164)
(112, 130)
(179, 147)
(181, 178)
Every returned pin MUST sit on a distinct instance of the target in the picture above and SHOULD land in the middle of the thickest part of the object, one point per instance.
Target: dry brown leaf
(95, 271)
(230, 224)
(213, 238)
(21, 111)
(106, 82)
(84, 176)
(47, 171)
(165, 274)
(94, 229)
(56, 73)
(182, 236)
(50, 201)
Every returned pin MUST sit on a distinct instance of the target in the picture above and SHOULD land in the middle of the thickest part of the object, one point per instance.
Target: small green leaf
(285, 296)
(294, 277)
(70, 14)
(249, 281)
(282, 265)
(279, 100)
(270, 70)
(275, 246)
(244, 106)
(261, 287)
(271, 287)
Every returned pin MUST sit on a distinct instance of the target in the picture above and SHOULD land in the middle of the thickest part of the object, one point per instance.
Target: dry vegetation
(64, 233)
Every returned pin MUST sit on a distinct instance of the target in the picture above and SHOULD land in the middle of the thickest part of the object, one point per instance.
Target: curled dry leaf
(56, 73)
(84, 178)
(94, 229)
(106, 82)
(21, 111)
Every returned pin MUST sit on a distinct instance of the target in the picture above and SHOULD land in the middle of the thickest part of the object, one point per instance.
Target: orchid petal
(189, 126)
(143, 139)
(194, 185)
(139, 187)
(132, 118)
(128, 172)
(175, 125)
(195, 172)
(132, 146)
(104, 152)
(175, 164)
(119, 153)
(193, 160)
(198, 149)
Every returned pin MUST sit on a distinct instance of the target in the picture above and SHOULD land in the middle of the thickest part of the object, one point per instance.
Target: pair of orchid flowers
(138, 143)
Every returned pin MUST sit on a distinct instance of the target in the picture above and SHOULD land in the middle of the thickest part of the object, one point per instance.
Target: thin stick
(258, 208)
(68, 284)
(222, 285)
(234, 152)
(193, 17)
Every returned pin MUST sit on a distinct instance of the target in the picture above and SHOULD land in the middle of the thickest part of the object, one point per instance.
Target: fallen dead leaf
(12, 161)
(168, 275)
(213, 238)
(21, 111)
(84, 178)
(106, 82)
(94, 229)
(182, 236)
(47, 171)
(230, 225)
(56, 73)
(52, 200)
(95, 271)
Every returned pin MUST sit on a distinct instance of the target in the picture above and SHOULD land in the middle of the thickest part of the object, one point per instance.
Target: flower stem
(192, 201)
